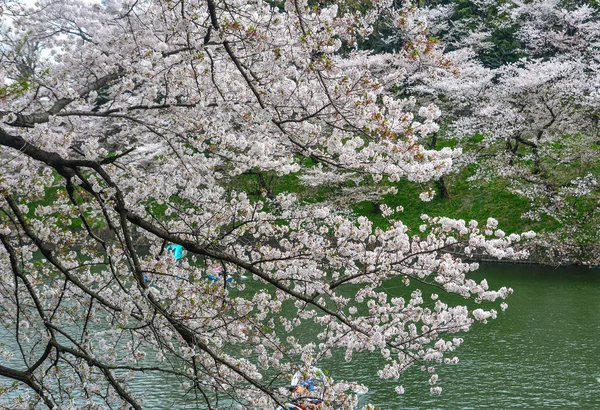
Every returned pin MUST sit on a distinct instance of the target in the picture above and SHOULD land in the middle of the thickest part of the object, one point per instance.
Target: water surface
(543, 352)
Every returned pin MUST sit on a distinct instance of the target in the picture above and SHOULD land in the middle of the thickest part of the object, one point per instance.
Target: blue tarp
(176, 250)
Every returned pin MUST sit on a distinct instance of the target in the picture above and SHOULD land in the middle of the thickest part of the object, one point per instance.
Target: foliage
(142, 120)
(536, 117)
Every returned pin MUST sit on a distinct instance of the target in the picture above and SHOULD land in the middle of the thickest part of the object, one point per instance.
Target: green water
(543, 352)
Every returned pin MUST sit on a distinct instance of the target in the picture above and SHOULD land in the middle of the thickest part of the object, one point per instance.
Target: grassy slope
(464, 203)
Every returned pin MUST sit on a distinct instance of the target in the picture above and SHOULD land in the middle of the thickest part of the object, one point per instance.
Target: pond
(543, 351)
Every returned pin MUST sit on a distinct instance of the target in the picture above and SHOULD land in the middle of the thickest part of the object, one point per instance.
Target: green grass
(493, 200)
(466, 202)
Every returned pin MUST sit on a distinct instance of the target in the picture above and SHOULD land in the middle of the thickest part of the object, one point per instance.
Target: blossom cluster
(137, 131)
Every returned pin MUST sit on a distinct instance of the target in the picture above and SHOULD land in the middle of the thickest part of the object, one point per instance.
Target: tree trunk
(443, 190)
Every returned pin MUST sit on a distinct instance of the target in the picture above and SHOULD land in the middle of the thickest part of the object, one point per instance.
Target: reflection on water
(542, 352)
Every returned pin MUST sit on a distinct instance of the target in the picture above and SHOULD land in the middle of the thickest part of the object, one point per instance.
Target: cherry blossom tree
(534, 121)
(130, 134)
